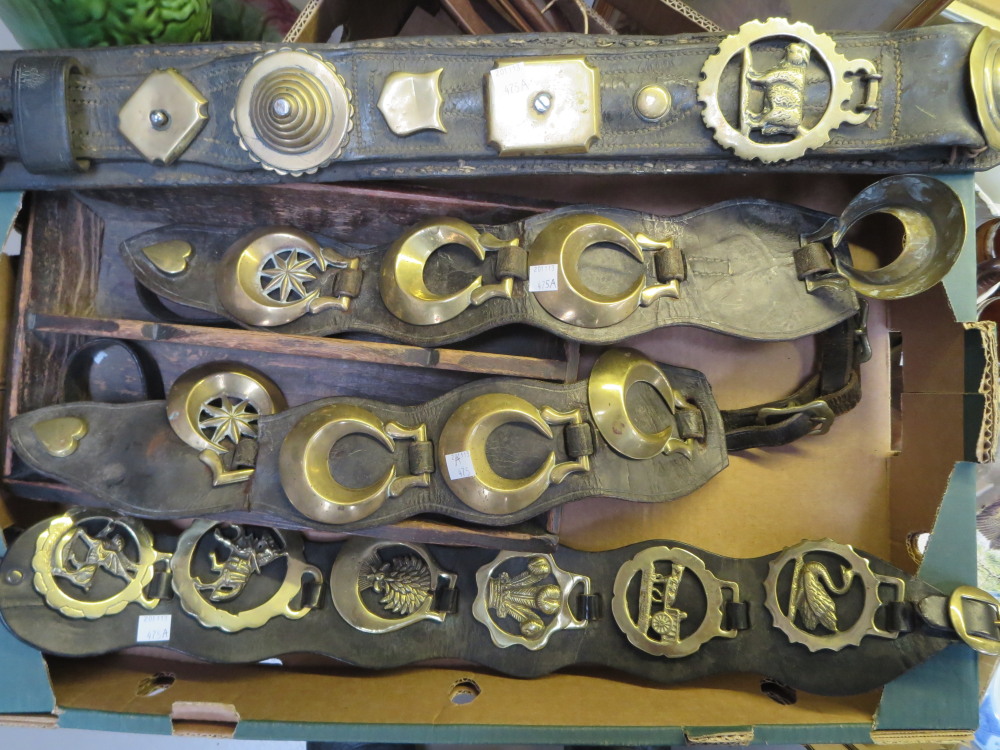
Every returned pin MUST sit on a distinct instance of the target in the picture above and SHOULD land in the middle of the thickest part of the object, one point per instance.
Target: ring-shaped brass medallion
(984, 69)
(403, 286)
(94, 553)
(614, 373)
(241, 556)
(304, 464)
(806, 610)
(467, 431)
(783, 91)
(652, 618)
(274, 275)
(376, 591)
(563, 242)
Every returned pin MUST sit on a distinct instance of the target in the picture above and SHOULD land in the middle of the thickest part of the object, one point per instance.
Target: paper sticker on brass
(293, 112)
(563, 242)
(543, 105)
(411, 102)
(984, 69)
(163, 116)
(772, 122)
(214, 406)
(468, 429)
(376, 591)
(806, 609)
(275, 275)
(651, 617)
(528, 601)
(304, 464)
(170, 257)
(614, 373)
(402, 284)
(60, 436)
(88, 565)
(239, 558)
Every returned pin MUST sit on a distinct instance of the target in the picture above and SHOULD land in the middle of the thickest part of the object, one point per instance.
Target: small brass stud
(652, 102)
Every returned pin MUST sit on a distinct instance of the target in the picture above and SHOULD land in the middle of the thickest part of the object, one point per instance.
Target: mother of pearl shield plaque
(819, 616)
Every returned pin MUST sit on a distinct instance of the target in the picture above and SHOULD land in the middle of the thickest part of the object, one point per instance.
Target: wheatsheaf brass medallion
(772, 119)
(659, 614)
(231, 578)
(88, 564)
(814, 587)
(380, 586)
(523, 600)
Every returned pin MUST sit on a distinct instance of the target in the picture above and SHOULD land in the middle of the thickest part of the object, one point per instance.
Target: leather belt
(817, 616)
(720, 268)
(773, 95)
(495, 452)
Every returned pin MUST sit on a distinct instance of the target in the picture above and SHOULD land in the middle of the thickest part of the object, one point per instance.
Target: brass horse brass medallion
(652, 618)
(237, 558)
(772, 120)
(88, 565)
(376, 591)
(809, 606)
(536, 599)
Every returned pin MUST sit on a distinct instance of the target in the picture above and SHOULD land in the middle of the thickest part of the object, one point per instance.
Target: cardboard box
(857, 484)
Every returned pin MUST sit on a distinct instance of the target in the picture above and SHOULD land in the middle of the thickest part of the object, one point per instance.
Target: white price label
(508, 71)
(543, 278)
(153, 628)
(459, 465)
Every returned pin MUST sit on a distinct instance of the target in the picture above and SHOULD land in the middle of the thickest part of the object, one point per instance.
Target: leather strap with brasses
(817, 616)
(774, 95)
(494, 452)
(752, 268)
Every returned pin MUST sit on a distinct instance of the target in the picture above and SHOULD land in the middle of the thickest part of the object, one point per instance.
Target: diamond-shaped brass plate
(163, 116)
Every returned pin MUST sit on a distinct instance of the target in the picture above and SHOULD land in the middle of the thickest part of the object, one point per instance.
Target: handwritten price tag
(153, 628)
(543, 278)
(459, 465)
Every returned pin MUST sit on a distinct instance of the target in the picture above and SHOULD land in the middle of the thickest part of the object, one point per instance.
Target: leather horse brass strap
(774, 93)
(593, 275)
(817, 616)
(495, 452)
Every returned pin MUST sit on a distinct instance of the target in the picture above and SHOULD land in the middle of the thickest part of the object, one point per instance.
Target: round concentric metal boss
(293, 112)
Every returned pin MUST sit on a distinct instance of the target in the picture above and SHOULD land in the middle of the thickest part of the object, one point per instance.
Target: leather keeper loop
(737, 616)
(670, 264)
(421, 457)
(245, 454)
(512, 261)
(898, 616)
(41, 114)
(690, 424)
(347, 283)
(579, 440)
(446, 599)
(312, 595)
(161, 587)
(590, 607)
(812, 259)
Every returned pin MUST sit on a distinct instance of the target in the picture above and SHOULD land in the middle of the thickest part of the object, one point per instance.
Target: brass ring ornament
(214, 406)
(537, 599)
(933, 220)
(465, 435)
(984, 68)
(614, 373)
(657, 610)
(273, 276)
(403, 586)
(402, 284)
(293, 112)
(304, 464)
(67, 552)
(246, 555)
(810, 615)
(563, 242)
(782, 108)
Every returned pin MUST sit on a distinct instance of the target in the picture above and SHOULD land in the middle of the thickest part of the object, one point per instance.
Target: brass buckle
(304, 464)
(820, 411)
(401, 282)
(562, 243)
(956, 612)
(467, 470)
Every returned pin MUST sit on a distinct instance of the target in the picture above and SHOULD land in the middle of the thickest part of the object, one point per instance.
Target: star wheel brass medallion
(285, 272)
(761, 89)
(228, 418)
(825, 596)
